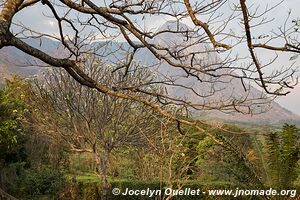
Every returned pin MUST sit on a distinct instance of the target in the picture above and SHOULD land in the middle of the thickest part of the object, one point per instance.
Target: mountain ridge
(11, 58)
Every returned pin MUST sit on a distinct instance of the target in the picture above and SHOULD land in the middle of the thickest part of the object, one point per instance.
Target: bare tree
(89, 121)
(79, 23)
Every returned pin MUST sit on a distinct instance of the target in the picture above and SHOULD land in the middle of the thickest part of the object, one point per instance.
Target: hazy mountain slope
(225, 89)
(15, 62)
(10, 59)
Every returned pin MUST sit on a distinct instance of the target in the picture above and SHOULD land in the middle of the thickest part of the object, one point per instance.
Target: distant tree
(267, 160)
(233, 161)
(89, 121)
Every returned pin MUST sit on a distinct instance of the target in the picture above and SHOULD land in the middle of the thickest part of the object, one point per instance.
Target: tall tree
(89, 121)
(132, 21)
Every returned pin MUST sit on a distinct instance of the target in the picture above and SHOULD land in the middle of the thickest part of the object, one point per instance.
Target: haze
(35, 19)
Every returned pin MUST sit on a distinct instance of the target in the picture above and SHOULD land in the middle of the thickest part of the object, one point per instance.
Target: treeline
(57, 135)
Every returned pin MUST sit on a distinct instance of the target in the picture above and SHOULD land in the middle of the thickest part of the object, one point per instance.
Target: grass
(84, 177)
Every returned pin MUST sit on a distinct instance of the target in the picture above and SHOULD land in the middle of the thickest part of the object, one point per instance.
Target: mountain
(15, 62)
(215, 90)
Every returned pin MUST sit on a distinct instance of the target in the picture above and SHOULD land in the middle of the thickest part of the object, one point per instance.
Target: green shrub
(42, 182)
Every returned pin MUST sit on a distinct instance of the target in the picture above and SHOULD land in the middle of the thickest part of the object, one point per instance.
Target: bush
(42, 182)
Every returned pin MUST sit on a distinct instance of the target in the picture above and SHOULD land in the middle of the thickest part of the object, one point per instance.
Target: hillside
(216, 90)
(13, 62)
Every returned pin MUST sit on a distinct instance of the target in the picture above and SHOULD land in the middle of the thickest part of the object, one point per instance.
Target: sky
(36, 18)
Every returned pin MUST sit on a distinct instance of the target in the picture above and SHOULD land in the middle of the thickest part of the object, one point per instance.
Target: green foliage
(229, 161)
(192, 156)
(123, 166)
(203, 149)
(11, 110)
(186, 153)
(283, 154)
(7, 137)
(34, 183)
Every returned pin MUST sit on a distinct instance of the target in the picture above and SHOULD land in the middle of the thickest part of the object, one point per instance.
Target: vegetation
(172, 158)
(34, 183)
(283, 154)
(98, 119)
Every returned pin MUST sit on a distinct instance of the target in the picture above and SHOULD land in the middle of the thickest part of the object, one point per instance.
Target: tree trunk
(104, 182)
(101, 168)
